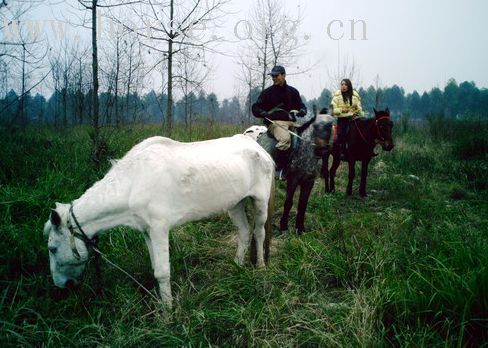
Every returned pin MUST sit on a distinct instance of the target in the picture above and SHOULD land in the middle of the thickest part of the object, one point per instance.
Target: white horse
(159, 184)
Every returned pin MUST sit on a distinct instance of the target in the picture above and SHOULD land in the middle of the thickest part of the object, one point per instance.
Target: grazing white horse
(159, 184)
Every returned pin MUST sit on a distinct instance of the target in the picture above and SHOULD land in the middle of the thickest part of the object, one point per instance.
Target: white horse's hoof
(238, 261)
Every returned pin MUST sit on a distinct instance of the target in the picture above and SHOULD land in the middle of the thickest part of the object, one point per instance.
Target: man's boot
(281, 163)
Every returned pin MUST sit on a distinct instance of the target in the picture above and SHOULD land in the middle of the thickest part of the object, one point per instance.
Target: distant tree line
(72, 105)
(455, 100)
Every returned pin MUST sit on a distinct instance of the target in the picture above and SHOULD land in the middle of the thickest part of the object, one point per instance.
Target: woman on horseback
(346, 104)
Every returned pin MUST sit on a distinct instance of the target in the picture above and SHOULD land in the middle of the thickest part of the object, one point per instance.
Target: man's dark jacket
(284, 97)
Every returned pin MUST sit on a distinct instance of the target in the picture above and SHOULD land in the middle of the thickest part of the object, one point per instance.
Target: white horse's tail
(268, 226)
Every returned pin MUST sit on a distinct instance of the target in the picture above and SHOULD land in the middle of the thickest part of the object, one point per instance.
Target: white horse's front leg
(159, 237)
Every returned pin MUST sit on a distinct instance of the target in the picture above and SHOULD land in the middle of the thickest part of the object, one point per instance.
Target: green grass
(405, 267)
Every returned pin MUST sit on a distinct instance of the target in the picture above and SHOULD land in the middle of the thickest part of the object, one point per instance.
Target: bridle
(90, 243)
(380, 139)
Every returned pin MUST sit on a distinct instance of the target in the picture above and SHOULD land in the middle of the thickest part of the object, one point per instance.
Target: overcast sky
(414, 44)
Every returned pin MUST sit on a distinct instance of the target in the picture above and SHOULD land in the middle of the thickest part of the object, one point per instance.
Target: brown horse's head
(384, 126)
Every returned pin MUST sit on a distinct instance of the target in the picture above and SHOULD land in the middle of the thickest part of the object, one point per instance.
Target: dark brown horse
(364, 134)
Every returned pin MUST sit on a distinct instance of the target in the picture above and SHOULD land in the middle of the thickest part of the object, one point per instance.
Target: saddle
(268, 142)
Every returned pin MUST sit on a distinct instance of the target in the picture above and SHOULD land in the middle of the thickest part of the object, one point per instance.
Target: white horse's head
(68, 254)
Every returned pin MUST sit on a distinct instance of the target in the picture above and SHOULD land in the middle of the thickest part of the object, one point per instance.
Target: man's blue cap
(277, 69)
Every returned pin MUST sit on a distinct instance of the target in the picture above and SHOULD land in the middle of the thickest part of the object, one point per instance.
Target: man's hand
(344, 110)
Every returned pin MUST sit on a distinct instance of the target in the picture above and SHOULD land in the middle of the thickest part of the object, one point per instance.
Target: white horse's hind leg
(239, 218)
(260, 216)
(149, 248)
(159, 237)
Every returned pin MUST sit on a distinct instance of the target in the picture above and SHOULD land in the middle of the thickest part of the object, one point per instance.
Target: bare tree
(243, 95)
(134, 73)
(67, 74)
(273, 40)
(192, 72)
(111, 65)
(21, 52)
(92, 6)
(168, 27)
(377, 85)
(82, 85)
(250, 77)
(55, 64)
(3, 77)
(345, 70)
(11, 17)
(30, 58)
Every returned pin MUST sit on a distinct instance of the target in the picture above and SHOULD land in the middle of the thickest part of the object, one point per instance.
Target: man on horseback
(278, 106)
(346, 104)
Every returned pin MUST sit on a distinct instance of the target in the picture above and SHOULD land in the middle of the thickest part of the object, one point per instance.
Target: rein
(298, 136)
(379, 137)
(92, 243)
(289, 131)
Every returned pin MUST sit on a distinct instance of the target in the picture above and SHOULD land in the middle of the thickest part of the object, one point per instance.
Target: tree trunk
(80, 96)
(117, 69)
(169, 107)
(265, 66)
(249, 113)
(65, 96)
(129, 80)
(96, 154)
(186, 110)
(21, 106)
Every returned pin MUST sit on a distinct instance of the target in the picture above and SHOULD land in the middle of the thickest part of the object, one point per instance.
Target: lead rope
(125, 272)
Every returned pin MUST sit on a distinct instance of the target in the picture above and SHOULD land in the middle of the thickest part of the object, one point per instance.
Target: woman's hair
(347, 96)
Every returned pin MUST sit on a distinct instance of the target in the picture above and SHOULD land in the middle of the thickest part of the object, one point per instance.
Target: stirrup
(280, 174)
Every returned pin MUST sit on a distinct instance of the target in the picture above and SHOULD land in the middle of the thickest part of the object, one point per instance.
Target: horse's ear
(387, 110)
(55, 218)
(375, 112)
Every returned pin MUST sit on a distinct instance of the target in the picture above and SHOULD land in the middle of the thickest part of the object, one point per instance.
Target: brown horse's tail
(268, 229)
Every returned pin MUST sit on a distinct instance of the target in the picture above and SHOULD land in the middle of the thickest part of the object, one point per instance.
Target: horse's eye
(53, 250)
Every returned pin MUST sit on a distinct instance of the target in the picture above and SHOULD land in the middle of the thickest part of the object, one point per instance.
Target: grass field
(408, 266)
